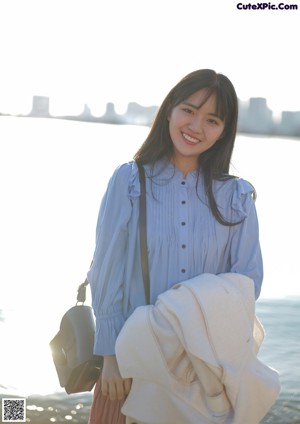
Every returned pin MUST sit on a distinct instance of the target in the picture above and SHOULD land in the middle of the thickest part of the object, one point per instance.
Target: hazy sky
(135, 50)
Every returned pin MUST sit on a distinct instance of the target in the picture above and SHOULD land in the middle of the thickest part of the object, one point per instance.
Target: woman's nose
(196, 125)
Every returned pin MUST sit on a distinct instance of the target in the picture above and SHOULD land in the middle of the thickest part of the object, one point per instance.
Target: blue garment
(184, 240)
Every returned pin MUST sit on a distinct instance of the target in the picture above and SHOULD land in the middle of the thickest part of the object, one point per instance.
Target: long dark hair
(214, 162)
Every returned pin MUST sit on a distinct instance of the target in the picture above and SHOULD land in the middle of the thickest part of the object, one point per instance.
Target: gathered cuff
(107, 331)
(242, 199)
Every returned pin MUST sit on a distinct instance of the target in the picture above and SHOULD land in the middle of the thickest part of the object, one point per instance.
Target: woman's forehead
(200, 98)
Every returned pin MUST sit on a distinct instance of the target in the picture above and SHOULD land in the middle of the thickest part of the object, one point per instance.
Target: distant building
(40, 107)
(258, 118)
(86, 114)
(110, 116)
(290, 124)
(140, 115)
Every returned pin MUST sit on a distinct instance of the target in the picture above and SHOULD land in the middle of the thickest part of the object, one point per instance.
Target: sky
(96, 51)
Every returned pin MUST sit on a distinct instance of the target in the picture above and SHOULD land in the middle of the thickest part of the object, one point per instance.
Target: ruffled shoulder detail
(134, 189)
(234, 198)
(126, 178)
(242, 198)
(127, 175)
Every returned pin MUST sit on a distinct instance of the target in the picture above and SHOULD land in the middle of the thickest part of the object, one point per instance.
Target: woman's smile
(190, 139)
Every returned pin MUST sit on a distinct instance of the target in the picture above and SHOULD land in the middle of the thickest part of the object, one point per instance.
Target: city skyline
(255, 116)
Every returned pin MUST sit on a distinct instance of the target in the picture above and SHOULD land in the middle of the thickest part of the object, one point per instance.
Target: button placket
(183, 231)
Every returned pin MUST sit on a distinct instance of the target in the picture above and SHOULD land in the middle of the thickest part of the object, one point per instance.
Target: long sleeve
(106, 276)
(245, 253)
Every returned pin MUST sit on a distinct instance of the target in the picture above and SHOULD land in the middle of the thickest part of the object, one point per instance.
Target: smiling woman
(200, 219)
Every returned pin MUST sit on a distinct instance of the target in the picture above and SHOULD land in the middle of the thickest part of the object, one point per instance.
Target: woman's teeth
(190, 139)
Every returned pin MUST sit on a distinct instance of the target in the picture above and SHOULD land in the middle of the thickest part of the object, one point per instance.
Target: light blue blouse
(184, 240)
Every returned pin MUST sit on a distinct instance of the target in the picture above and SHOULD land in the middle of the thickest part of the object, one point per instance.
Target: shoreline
(62, 408)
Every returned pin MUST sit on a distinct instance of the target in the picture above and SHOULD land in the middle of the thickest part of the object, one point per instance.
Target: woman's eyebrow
(216, 116)
(191, 105)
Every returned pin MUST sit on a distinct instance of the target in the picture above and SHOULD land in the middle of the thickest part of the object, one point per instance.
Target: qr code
(14, 410)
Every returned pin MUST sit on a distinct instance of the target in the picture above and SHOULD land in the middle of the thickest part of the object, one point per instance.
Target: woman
(199, 218)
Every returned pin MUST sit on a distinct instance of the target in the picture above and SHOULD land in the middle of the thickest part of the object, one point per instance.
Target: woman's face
(194, 129)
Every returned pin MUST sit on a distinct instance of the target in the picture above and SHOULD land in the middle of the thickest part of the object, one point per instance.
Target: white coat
(193, 355)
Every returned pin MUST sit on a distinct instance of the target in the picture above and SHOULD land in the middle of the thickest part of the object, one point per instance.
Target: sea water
(281, 350)
(53, 174)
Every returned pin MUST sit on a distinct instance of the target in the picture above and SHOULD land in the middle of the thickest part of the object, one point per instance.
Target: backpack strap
(143, 234)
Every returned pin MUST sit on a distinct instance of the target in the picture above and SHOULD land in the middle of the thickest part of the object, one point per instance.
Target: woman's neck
(185, 166)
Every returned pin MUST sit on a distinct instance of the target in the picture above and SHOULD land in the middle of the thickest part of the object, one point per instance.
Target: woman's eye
(212, 121)
(187, 110)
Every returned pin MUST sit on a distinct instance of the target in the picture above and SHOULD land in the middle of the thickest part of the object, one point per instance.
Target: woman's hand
(112, 383)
